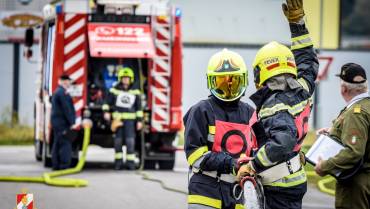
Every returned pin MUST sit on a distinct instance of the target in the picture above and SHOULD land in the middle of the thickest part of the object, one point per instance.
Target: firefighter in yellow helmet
(285, 79)
(123, 107)
(217, 133)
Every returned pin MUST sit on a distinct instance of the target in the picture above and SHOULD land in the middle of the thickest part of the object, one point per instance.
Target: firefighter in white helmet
(124, 105)
(218, 133)
(285, 79)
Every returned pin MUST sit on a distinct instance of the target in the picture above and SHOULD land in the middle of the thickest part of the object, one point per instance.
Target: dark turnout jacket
(280, 129)
(200, 123)
(63, 114)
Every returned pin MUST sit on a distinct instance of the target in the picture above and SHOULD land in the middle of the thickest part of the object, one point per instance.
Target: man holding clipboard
(352, 130)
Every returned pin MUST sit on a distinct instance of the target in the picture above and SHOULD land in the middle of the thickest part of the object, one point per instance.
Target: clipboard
(327, 147)
(324, 147)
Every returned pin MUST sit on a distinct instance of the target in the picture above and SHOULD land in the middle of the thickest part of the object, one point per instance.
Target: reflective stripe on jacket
(283, 115)
(124, 104)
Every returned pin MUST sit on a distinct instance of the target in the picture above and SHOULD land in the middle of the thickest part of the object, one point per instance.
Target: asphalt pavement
(107, 188)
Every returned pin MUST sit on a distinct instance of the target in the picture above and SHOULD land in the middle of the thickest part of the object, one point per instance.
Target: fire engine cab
(89, 41)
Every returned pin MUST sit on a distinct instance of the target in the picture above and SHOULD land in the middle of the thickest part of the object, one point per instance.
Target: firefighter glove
(115, 125)
(245, 170)
(293, 10)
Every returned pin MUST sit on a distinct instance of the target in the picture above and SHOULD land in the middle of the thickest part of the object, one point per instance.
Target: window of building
(355, 24)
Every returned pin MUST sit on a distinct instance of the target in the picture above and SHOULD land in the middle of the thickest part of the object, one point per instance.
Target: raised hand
(293, 10)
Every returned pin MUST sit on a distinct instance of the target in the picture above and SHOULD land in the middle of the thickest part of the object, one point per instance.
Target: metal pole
(15, 105)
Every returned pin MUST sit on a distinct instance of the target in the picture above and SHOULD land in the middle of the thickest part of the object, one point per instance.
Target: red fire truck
(89, 42)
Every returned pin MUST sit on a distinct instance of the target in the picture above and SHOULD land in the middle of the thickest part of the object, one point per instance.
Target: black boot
(118, 164)
(130, 165)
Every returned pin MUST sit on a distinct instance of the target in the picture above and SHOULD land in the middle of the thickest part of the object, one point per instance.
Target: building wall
(34, 5)
(6, 77)
(233, 21)
(27, 88)
(27, 85)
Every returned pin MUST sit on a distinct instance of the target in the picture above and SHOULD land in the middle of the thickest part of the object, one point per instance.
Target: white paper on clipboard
(324, 147)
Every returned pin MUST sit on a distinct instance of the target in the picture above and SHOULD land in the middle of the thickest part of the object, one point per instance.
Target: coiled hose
(50, 178)
(323, 182)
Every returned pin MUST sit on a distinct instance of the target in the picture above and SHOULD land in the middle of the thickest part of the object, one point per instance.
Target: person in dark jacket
(63, 118)
(217, 133)
(285, 81)
(124, 103)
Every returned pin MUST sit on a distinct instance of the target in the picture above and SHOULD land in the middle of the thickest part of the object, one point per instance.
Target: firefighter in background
(63, 118)
(123, 106)
(217, 133)
(285, 81)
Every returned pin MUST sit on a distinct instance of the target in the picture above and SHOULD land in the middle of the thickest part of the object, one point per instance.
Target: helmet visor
(228, 87)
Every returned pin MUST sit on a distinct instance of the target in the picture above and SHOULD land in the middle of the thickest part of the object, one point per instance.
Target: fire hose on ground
(323, 182)
(50, 178)
(147, 177)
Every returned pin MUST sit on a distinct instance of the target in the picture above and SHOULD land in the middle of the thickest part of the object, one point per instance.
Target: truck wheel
(166, 164)
(45, 158)
(149, 164)
(38, 150)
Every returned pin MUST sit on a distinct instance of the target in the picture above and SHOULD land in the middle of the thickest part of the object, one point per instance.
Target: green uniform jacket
(352, 128)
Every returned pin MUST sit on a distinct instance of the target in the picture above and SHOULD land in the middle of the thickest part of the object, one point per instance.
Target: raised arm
(302, 47)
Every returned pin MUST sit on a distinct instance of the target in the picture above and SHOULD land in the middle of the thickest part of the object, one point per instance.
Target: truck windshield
(102, 75)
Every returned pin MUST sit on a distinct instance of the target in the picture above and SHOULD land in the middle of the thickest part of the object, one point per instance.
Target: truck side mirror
(28, 39)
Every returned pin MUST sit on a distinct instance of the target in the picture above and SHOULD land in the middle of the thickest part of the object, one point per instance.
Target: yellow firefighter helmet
(125, 72)
(271, 60)
(227, 75)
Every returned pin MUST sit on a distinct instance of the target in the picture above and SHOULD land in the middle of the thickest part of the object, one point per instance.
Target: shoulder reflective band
(139, 114)
(263, 159)
(197, 154)
(212, 130)
(115, 91)
(118, 155)
(303, 83)
(203, 200)
(124, 115)
(293, 110)
(294, 179)
(301, 42)
(105, 107)
(135, 92)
